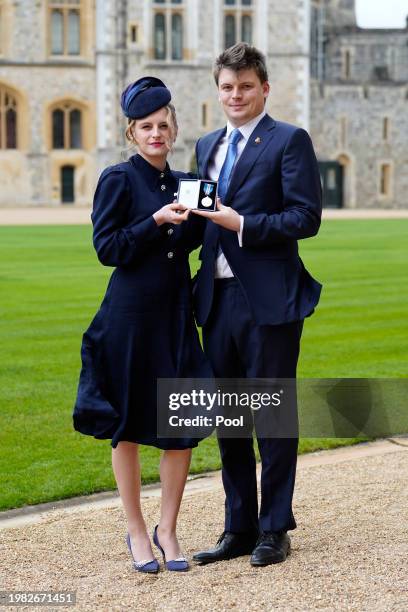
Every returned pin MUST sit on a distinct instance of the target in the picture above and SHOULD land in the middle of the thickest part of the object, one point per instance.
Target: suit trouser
(238, 348)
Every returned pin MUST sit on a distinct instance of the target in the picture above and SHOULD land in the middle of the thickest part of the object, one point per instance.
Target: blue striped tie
(228, 165)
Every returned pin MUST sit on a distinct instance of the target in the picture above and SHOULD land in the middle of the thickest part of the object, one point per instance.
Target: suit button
(161, 174)
(170, 254)
(170, 231)
(163, 187)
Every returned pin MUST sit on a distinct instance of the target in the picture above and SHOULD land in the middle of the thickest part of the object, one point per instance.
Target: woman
(144, 329)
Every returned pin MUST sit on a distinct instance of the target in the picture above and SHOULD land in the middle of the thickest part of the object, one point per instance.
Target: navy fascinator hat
(143, 97)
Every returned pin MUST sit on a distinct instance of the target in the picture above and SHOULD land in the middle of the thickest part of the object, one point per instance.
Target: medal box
(197, 193)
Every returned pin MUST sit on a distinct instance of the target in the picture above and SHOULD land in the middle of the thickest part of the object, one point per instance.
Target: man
(253, 292)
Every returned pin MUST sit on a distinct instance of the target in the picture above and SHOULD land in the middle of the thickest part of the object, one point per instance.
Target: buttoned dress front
(144, 328)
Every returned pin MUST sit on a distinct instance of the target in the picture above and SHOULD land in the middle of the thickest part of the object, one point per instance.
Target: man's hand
(224, 215)
(174, 213)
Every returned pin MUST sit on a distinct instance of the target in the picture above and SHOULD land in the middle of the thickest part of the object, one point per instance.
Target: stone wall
(31, 174)
(359, 105)
(375, 55)
(347, 126)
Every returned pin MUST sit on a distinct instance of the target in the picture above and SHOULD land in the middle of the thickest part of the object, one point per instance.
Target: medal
(207, 201)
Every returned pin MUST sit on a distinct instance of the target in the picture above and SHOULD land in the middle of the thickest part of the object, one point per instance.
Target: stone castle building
(64, 63)
(359, 102)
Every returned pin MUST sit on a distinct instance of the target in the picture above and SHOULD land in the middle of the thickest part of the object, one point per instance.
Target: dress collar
(153, 176)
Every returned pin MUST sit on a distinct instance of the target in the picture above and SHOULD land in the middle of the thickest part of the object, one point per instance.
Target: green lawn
(51, 285)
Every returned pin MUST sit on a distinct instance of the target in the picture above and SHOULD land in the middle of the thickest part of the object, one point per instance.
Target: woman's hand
(224, 215)
(174, 213)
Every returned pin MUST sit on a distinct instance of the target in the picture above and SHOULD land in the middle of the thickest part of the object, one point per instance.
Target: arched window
(75, 131)
(237, 22)
(385, 180)
(246, 29)
(58, 129)
(73, 34)
(347, 64)
(168, 30)
(66, 127)
(386, 128)
(65, 27)
(230, 38)
(8, 120)
(159, 36)
(176, 37)
(57, 33)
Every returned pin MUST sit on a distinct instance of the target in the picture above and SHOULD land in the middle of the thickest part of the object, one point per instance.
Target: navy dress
(144, 328)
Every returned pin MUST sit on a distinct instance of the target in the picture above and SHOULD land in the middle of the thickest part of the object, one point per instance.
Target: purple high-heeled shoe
(174, 565)
(147, 567)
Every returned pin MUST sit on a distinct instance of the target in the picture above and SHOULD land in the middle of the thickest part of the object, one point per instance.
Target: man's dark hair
(241, 57)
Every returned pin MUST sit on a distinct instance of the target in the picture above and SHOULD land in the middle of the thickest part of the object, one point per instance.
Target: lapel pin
(257, 140)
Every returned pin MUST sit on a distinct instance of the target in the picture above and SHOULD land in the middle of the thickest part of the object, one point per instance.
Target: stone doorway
(67, 184)
(331, 173)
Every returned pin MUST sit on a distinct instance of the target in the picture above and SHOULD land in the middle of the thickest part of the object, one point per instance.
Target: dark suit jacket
(276, 187)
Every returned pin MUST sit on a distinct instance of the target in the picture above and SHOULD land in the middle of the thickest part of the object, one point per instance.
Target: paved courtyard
(70, 215)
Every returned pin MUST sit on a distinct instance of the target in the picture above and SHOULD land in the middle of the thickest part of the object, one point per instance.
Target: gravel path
(70, 215)
(350, 551)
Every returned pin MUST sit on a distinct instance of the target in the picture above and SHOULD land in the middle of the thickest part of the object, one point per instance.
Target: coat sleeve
(302, 198)
(115, 242)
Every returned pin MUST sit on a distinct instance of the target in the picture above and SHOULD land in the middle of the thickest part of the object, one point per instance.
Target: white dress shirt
(222, 268)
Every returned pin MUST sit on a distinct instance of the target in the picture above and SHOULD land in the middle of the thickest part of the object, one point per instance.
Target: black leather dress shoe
(229, 546)
(272, 547)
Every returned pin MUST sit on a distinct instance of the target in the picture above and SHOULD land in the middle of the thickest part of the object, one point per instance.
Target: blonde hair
(171, 119)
